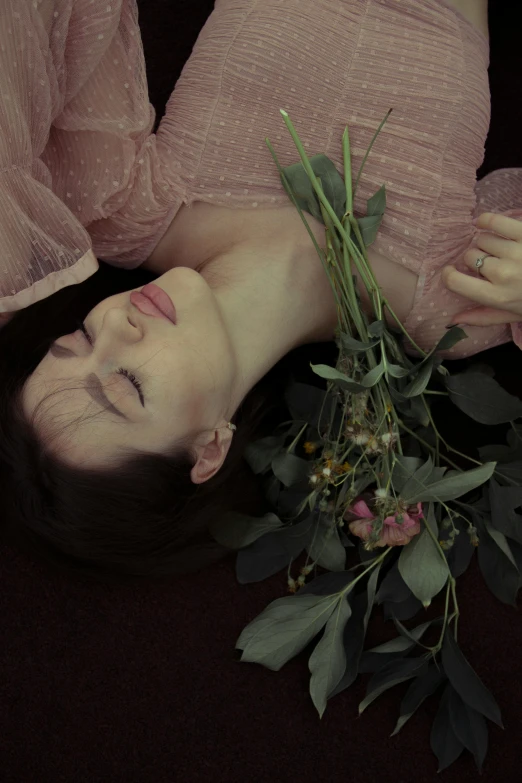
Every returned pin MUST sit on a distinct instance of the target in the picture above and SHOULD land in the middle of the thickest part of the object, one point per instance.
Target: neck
(273, 298)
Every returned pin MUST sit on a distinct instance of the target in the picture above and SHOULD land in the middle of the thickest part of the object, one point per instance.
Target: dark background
(142, 684)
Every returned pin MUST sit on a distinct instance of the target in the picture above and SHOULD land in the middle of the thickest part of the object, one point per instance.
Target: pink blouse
(82, 176)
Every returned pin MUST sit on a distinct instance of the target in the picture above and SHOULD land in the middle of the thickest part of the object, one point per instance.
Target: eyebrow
(94, 387)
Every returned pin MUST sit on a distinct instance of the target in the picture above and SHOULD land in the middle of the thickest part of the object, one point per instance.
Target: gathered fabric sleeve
(501, 191)
(81, 175)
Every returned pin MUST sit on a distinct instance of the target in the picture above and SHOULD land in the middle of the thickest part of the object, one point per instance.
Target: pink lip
(152, 300)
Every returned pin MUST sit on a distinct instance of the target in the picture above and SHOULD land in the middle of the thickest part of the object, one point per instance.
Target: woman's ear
(212, 449)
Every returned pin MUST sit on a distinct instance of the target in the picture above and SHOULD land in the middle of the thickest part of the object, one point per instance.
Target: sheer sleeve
(81, 175)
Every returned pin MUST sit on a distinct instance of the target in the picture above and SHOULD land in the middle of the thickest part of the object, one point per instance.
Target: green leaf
(377, 328)
(355, 631)
(500, 575)
(326, 549)
(422, 478)
(466, 681)
(260, 453)
(404, 642)
(421, 687)
(396, 371)
(331, 182)
(470, 727)
(451, 338)
(284, 629)
(236, 530)
(421, 380)
(374, 376)
(482, 398)
(403, 469)
(290, 469)
(355, 346)
(444, 742)
(304, 401)
(369, 228)
(389, 675)
(376, 204)
(501, 541)
(460, 554)
(504, 501)
(422, 568)
(272, 552)
(453, 486)
(331, 374)
(328, 660)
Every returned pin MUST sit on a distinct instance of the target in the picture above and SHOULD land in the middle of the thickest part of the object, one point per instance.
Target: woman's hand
(499, 289)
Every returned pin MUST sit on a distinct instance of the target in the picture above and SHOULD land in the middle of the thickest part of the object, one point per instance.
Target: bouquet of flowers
(373, 473)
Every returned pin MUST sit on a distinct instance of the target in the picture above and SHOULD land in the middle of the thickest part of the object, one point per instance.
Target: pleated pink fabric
(82, 176)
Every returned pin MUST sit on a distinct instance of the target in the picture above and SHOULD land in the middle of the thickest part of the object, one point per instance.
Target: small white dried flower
(386, 437)
(381, 493)
(327, 471)
(314, 479)
(361, 438)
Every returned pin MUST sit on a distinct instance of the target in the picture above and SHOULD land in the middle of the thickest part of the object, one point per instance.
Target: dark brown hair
(141, 519)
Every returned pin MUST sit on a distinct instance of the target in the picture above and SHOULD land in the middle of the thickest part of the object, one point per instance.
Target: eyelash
(121, 371)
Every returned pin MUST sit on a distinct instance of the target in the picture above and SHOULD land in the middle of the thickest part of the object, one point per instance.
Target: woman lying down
(115, 446)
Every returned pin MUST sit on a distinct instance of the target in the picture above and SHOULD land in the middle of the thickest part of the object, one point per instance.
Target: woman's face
(186, 370)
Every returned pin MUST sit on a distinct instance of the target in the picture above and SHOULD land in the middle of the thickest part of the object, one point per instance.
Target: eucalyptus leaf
(402, 610)
(331, 182)
(373, 376)
(260, 453)
(453, 486)
(422, 686)
(284, 629)
(355, 631)
(304, 401)
(396, 371)
(482, 398)
(419, 383)
(466, 681)
(236, 530)
(326, 549)
(460, 554)
(470, 727)
(331, 374)
(376, 204)
(356, 346)
(422, 568)
(328, 660)
(404, 642)
(377, 328)
(444, 742)
(500, 575)
(389, 675)
(403, 469)
(451, 338)
(504, 501)
(369, 228)
(290, 469)
(272, 552)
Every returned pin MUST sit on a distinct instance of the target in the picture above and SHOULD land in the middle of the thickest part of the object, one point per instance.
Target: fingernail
(449, 326)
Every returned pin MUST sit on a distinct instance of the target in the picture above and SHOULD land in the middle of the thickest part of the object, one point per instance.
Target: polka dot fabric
(84, 176)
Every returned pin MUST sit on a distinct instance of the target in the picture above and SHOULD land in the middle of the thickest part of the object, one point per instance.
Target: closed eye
(121, 371)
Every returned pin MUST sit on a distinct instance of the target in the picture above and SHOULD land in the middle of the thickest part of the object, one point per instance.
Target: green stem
(296, 439)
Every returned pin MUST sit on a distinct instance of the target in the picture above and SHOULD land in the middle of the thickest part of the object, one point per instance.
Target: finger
(499, 247)
(478, 289)
(485, 316)
(501, 224)
(489, 268)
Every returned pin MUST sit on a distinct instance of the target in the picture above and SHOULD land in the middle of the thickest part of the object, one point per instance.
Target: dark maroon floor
(142, 684)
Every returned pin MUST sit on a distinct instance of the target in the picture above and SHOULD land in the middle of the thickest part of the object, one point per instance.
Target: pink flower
(393, 533)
